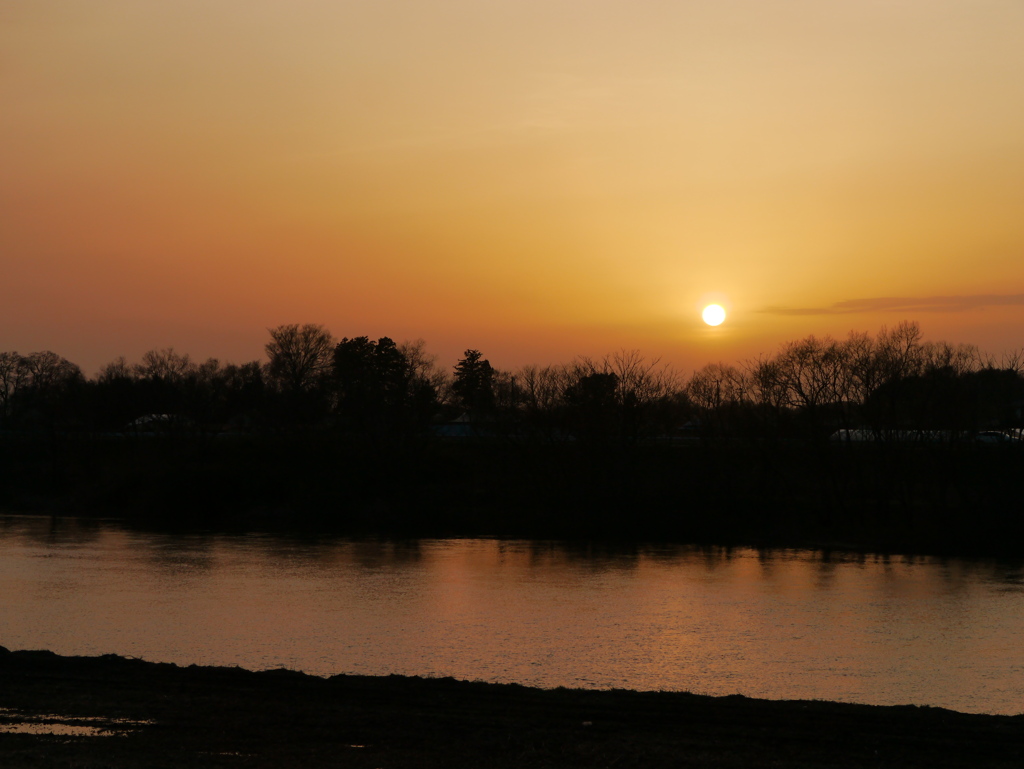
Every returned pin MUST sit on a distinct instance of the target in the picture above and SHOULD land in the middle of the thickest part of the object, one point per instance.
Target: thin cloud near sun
(908, 304)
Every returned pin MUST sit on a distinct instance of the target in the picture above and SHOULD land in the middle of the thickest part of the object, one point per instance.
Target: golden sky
(534, 178)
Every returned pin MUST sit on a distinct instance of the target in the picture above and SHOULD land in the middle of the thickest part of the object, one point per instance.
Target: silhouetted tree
(898, 352)
(380, 390)
(365, 370)
(165, 365)
(300, 356)
(12, 377)
(540, 392)
(716, 385)
(244, 394)
(46, 388)
(941, 398)
(423, 366)
(592, 406)
(718, 392)
(117, 395)
(116, 369)
(474, 382)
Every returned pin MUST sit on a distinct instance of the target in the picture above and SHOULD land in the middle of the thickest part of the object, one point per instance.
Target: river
(780, 624)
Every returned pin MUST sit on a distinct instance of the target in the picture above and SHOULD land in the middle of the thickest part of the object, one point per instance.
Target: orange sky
(536, 179)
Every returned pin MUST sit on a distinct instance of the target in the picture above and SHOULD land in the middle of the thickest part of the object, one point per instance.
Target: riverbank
(159, 715)
(906, 499)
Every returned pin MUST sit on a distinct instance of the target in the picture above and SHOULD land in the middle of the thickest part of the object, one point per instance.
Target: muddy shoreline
(163, 715)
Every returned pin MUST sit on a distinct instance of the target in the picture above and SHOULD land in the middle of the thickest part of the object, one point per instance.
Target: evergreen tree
(474, 382)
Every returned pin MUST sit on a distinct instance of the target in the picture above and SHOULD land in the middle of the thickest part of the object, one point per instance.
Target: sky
(536, 179)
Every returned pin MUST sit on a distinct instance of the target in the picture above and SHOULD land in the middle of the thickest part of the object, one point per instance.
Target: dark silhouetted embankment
(228, 717)
(960, 499)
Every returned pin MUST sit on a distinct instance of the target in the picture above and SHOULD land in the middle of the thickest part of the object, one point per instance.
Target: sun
(713, 314)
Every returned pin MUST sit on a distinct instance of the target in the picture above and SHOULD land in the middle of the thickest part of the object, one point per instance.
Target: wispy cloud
(904, 304)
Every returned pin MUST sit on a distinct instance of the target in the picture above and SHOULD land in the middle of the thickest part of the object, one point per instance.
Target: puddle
(15, 722)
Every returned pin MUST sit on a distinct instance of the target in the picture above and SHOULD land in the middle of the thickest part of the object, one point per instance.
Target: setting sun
(513, 181)
(713, 314)
(340, 336)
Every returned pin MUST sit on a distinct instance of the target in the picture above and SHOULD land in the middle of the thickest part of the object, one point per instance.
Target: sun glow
(713, 314)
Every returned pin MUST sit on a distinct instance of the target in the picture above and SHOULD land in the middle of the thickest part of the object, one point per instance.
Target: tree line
(379, 389)
(889, 384)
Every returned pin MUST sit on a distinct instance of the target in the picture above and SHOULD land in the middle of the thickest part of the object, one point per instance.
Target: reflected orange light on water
(777, 624)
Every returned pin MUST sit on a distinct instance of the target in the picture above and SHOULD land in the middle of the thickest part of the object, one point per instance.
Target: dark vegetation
(369, 436)
(228, 717)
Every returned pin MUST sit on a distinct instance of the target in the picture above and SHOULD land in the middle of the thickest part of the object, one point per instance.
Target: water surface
(779, 624)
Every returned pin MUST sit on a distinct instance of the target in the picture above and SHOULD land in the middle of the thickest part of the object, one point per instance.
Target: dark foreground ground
(228, 717)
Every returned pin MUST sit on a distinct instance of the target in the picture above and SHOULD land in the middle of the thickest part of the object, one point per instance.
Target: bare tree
(814, 372)
(898, 352)
(45, 379)
(864, 373)
(765, 385)
(541, 393)
(1013, 360)
(47, 370)
(208, 370)
(959, 359)
(717, 385)
(118, 368)
(422, 365)
(165, 364)
(640, 379)
(13, 373)
(300, 356)
(541, 388)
